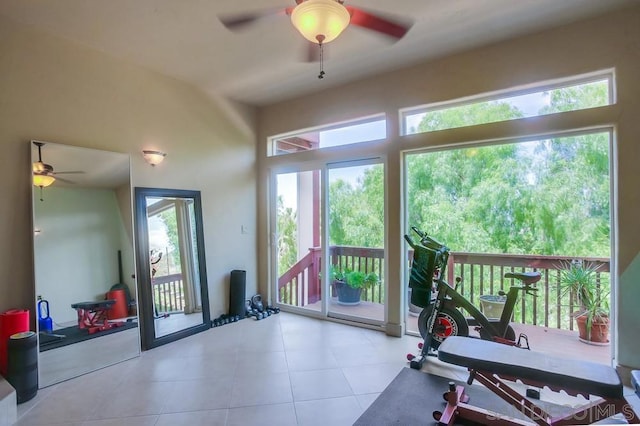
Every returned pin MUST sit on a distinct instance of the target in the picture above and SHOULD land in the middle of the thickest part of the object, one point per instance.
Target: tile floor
(283, 370)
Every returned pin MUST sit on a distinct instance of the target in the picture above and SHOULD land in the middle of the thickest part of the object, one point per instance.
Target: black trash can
(22, 364)
(237, 293)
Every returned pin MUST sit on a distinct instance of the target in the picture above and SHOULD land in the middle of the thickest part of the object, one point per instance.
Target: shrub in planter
(578, 278)
(350, 288)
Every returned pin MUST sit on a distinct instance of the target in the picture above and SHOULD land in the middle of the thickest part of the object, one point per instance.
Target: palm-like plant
(578, 279)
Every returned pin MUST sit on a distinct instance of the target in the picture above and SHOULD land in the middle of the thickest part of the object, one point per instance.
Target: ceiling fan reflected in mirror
(44, 174)
(322, 21)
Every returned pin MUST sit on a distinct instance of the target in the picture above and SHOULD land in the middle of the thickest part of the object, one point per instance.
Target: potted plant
(350, 288)
(336, 277)
(578, 278)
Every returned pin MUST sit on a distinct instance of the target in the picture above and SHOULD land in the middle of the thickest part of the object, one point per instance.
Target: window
(568, 96)
(346, 133)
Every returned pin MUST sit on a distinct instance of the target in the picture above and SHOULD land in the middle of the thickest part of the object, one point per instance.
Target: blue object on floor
(635, 381)
(45, 323)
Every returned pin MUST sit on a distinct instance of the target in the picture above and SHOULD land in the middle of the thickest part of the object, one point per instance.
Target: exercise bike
(441, 317)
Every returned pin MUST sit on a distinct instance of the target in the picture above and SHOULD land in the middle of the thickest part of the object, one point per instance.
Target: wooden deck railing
(300, 285)
(480, 273)
(552, 307)
(168, 293)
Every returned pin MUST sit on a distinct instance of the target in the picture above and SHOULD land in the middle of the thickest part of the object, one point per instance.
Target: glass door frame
(273, 233)
(323, 167)
(333, 165)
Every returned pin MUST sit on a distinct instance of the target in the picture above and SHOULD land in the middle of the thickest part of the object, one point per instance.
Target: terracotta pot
(599, 329)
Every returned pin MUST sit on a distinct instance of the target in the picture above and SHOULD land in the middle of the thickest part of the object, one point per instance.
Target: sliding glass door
(348, 253)
(355, 230)
(298, 248)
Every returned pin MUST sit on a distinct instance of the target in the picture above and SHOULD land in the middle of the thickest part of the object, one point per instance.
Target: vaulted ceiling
(265, 62)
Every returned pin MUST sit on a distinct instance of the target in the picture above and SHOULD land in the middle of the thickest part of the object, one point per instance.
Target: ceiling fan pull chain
(321, 75)
(320, 38)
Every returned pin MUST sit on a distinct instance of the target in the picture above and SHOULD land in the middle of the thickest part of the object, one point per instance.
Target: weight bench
(489, 363)
(92, 316)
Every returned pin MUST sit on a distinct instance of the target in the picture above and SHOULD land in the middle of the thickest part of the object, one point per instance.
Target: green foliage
(335, 273)
(359, 279)
(171, 264)
(544, 197)
(467, 115)
(578, 279)
(356, 211)
(287, 237)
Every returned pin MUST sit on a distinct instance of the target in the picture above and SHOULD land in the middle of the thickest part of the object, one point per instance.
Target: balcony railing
(480, 273)
(168, 294)
(552, 307)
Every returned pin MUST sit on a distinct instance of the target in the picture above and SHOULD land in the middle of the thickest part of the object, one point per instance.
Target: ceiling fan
(43, 173)
(321, 21)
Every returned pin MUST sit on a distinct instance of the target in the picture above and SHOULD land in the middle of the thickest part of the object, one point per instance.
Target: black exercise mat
(413, 396)
(75, 335)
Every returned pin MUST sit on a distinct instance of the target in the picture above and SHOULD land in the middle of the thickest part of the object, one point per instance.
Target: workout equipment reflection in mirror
(92, 316)
(441, 316)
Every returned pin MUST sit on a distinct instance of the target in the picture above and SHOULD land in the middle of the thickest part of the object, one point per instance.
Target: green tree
(287, 237)
(171, 263)
(546, 197)
(356, 211)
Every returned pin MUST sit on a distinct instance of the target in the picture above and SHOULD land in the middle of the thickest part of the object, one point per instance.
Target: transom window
(345, 133)
(561, 97)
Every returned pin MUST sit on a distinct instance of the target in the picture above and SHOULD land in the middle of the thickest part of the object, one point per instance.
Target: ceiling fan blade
(74, 172)
(65, 180)
(375, 22)
(241, 20)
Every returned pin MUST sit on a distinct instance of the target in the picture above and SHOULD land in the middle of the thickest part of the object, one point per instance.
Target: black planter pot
(347, 295)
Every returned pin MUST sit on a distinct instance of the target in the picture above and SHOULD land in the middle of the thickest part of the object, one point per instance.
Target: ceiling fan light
(39, 167)
(320, 21)
(42, 180)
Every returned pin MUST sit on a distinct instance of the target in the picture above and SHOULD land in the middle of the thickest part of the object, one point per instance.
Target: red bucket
(120, 308)
(11, 322)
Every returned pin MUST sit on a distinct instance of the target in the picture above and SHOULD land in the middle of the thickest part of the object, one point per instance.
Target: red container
(11, 322)
(120, 308)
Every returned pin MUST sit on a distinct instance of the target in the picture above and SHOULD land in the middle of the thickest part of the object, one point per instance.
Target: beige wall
(57, 91)
(611, 41)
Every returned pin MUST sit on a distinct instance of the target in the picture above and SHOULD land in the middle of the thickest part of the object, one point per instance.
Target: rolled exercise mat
(22, 365)
(11, 322)
(237, 293)
(120, 309)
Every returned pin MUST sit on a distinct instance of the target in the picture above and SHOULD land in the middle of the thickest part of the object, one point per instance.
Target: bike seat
(526, 277)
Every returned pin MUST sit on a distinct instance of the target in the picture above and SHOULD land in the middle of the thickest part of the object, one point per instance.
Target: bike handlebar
(410, 241)
(426, 240)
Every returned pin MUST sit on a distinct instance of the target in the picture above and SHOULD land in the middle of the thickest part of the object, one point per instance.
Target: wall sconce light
(153, 157)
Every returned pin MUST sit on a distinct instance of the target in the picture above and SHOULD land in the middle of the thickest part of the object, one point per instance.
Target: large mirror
(83, 260)
(171, 265)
